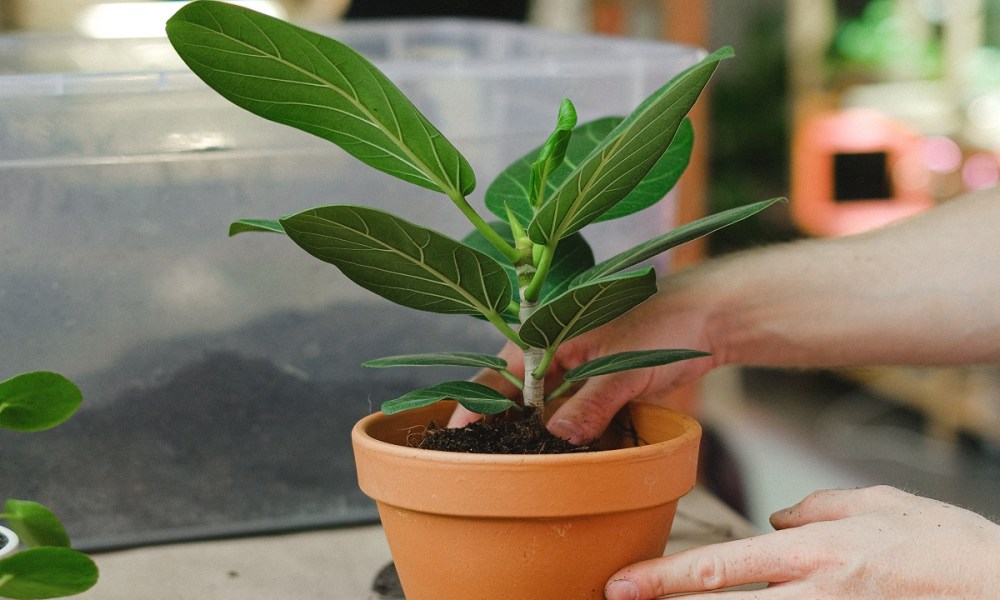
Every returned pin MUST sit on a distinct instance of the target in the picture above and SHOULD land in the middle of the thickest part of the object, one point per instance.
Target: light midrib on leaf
(566, 327)
(607, 155)
(396, 139)
(447, 282)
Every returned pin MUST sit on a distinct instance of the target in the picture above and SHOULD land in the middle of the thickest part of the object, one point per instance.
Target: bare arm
(923, 291)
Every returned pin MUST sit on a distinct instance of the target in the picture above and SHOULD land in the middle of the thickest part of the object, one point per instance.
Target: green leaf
(553, 151)
(402, 262)
(245, 225)
(684, 233)
(573, 257)
(661, 178)
(622, 160)
(302, 79)
(436, 359)
(37, 400)
(35, 524)
(626, 361)
(586, 307)
(511, 188)
(48, 572)
(474, 396)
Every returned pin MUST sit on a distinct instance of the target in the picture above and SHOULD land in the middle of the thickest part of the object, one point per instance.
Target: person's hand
(874, 543)
(658, 323)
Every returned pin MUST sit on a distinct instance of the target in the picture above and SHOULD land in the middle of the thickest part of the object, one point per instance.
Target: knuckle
(710, 572)
(887, 491)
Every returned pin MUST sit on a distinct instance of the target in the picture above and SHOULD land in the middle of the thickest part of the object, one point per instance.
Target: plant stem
(534, 389)
(497, 321)
(533, 392)
(484, 228)
(512, 378)
(541, 272)
(559, 391)
(544, 361)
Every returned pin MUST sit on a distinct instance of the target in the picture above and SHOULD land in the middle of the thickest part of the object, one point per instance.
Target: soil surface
(524, 435)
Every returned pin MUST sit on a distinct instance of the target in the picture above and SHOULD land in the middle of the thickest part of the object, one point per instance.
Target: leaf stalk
(483, 227)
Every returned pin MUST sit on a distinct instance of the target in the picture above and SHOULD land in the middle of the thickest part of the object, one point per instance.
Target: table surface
(327, 564)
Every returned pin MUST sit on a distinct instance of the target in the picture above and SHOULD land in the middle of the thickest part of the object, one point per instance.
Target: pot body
(10, 545)
(499, 527)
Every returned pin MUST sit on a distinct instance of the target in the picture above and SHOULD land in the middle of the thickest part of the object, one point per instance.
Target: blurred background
(861, 112)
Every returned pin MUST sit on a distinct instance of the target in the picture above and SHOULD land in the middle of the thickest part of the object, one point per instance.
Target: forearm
(926, 291)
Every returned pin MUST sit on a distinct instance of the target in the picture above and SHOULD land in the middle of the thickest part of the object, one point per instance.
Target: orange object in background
(856, 170)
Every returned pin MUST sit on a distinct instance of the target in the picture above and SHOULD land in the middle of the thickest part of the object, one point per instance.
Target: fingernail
(566, 430)
(621, 589)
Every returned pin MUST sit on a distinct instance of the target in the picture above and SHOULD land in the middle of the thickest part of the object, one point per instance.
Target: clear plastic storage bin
(221, 376)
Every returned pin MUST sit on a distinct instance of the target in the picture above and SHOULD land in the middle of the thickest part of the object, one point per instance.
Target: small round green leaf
(48, 572)
(36, 401)
(35, 524)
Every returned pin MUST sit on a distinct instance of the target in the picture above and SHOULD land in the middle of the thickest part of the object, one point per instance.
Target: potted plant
(48, 567)
(452, 518)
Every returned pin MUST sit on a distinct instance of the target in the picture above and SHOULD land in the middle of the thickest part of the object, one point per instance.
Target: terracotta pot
(495, 527)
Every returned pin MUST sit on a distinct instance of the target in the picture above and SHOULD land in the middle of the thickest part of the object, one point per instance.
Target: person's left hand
(874, 543)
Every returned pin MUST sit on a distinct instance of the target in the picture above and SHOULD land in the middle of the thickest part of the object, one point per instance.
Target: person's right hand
(875, 543)
(657, 323)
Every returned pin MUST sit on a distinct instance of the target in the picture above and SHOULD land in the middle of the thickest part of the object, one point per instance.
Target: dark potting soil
(524, 435)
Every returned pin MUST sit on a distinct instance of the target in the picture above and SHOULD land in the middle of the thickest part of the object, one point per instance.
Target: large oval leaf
(37, 400)
(662, 178)
(586, 307)
(258, 225)
(684, 233)
(512, 188)
(302, 79)
(49, 572)
(476, 397)
(402, 262)
(624, 157)
(627, 361)
(35, 524)
(508, 189)
(440, 359)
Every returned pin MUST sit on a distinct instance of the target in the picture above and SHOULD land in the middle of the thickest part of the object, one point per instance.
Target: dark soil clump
(506, 436)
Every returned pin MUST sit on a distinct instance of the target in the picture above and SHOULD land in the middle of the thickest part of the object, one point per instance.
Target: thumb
(587, 413)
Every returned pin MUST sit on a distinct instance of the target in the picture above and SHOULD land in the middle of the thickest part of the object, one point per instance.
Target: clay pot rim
(362, 435)
(547, 486)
